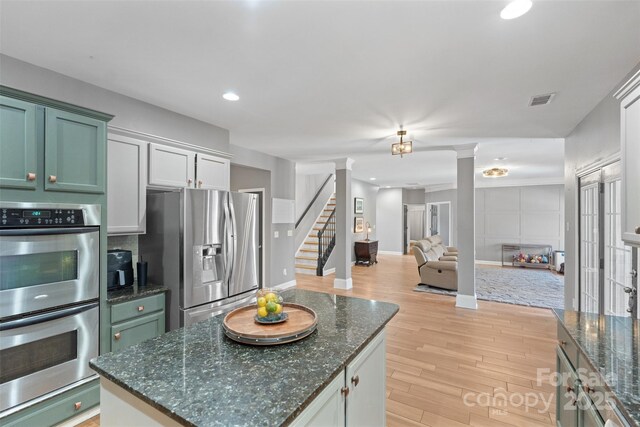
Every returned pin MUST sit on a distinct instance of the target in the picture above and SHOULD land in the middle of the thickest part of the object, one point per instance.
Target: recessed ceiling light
(387, 186)
(499, 159)
(230, 96)
(515, 9)
(372, 179)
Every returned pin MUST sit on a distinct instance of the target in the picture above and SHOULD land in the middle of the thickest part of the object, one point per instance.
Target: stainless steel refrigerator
(204, 246)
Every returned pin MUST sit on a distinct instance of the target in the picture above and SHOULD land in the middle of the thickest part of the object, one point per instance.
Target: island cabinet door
(366, 378)
(566, 392)
(75, 153)
(17, 144)
(326, 410)
(135, 331)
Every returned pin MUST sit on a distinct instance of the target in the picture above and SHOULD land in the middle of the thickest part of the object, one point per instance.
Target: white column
(466, 239)
(344, 219)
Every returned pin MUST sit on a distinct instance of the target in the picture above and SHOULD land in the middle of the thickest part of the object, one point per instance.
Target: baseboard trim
(467, 301)
(343, 283)
(329, 271)
(390, 253)
(285, 285)
(482, 262)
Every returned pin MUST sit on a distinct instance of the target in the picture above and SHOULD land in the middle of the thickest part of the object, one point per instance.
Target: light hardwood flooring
(448, 366)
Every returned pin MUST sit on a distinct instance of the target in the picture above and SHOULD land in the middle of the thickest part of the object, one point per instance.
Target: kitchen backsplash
(129, 243)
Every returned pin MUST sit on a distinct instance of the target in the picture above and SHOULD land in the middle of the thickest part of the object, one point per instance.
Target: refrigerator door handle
(228, 245)
(232, 220)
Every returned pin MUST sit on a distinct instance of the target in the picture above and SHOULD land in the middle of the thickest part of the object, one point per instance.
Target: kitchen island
(198, 376)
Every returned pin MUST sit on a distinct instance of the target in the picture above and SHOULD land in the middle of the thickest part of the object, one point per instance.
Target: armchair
(435, 270)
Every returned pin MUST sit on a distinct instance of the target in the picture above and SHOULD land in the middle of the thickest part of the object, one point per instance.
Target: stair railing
(324, 184)
(326, 242)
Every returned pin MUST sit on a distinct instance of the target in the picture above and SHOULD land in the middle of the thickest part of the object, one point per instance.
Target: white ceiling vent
(541, 99)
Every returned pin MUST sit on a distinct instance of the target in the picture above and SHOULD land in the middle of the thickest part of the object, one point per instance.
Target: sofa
(436, 267)
(436, 244)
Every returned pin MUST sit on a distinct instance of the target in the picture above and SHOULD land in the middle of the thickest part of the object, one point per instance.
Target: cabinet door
(326, 410)
(630, 135)
(366, 379)
(213, 172)
(171, 167)
(566, 393)
(75, 153)
(589, 416)
(126, 185)
(135, 331)
(17, 144)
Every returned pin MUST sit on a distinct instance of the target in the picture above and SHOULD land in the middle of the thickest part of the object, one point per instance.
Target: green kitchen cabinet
(75, 152)
(566, 392)
(18, 143)
(138, 320)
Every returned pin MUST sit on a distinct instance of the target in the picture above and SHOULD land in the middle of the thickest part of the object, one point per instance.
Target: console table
(366, 252)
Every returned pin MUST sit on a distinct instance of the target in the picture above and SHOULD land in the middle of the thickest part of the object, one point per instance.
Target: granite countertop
(132, 292)
(612, 344)
(198, 376)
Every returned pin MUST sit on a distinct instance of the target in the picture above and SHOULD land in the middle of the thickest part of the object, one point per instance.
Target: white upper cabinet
(171, 167)
(212, 172)
(629, 96)
(126, 185)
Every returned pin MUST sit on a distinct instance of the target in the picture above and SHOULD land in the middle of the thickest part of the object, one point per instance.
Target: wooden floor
(448, 366)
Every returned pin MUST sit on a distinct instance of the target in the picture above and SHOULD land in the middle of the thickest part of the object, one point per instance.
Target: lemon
(262, 312)
(278, 308)
(262, 302)
(270, 297)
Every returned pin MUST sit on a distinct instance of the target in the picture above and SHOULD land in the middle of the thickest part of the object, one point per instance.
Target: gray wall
(140, 116)
(412, 197)
(597, 137)
(447, 196)
(244, 178)
(527, 214)
(389, 220)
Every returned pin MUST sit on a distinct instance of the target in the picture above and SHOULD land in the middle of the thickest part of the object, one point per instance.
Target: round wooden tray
(240, 325)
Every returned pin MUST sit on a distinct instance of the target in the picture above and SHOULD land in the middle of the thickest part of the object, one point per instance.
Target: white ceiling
(328, 79)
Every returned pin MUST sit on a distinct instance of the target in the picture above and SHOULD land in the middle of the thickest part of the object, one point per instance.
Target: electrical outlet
(290, 233)
(284, 271)
(276, 234)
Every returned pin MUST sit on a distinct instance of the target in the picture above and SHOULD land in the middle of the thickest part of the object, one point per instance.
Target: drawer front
(57, 409)
(565, 342)
(135, 331)
(591, 381)
(136, 308)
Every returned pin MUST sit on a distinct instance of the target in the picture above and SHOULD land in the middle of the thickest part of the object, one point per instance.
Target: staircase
(308, 253)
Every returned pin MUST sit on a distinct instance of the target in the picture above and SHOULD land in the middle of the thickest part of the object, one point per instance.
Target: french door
(605, 262)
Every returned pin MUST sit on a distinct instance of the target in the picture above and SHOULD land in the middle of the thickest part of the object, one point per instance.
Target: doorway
(261, 230)
(605, 262)
(414, 225)
(439, 221)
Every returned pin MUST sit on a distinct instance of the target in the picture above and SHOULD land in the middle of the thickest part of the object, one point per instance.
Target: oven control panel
(25, 218)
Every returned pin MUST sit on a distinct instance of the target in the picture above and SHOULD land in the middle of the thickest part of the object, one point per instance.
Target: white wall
(389, 220)
(306, 188)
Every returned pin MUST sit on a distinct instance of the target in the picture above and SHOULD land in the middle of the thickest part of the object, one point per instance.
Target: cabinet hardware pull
(569, 389)
(77, 406)
(116, 336)
(588, 389)
(355, 380)
(574, 401)
(53, 179)
(199, 183)
(189, 181)
(562, 342)
(344, 391)
(31, 176)
(141, 308)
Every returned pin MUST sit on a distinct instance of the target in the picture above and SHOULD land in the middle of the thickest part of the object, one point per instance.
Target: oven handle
(46, 317)
(46, 231)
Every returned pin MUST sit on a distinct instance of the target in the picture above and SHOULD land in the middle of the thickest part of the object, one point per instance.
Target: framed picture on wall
(358, 225)
(358, 205)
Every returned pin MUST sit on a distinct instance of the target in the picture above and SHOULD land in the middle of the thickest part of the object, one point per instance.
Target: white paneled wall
(532, 214)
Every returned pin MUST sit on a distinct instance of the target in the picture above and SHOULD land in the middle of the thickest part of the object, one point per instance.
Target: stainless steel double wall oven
(49, 288)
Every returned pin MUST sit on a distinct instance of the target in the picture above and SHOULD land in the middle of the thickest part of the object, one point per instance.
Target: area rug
(533, 288)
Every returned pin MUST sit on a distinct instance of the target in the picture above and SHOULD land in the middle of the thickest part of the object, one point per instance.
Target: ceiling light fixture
(495, 172)
(515, 9)
(372, 179)
(230, 96)
(402, 147)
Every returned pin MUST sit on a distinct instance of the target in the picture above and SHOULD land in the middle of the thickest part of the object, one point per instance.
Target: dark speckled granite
(198, 376)
(612, 344)
(133, 292)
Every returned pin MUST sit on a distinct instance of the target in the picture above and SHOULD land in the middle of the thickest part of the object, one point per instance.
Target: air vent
(541, 99)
